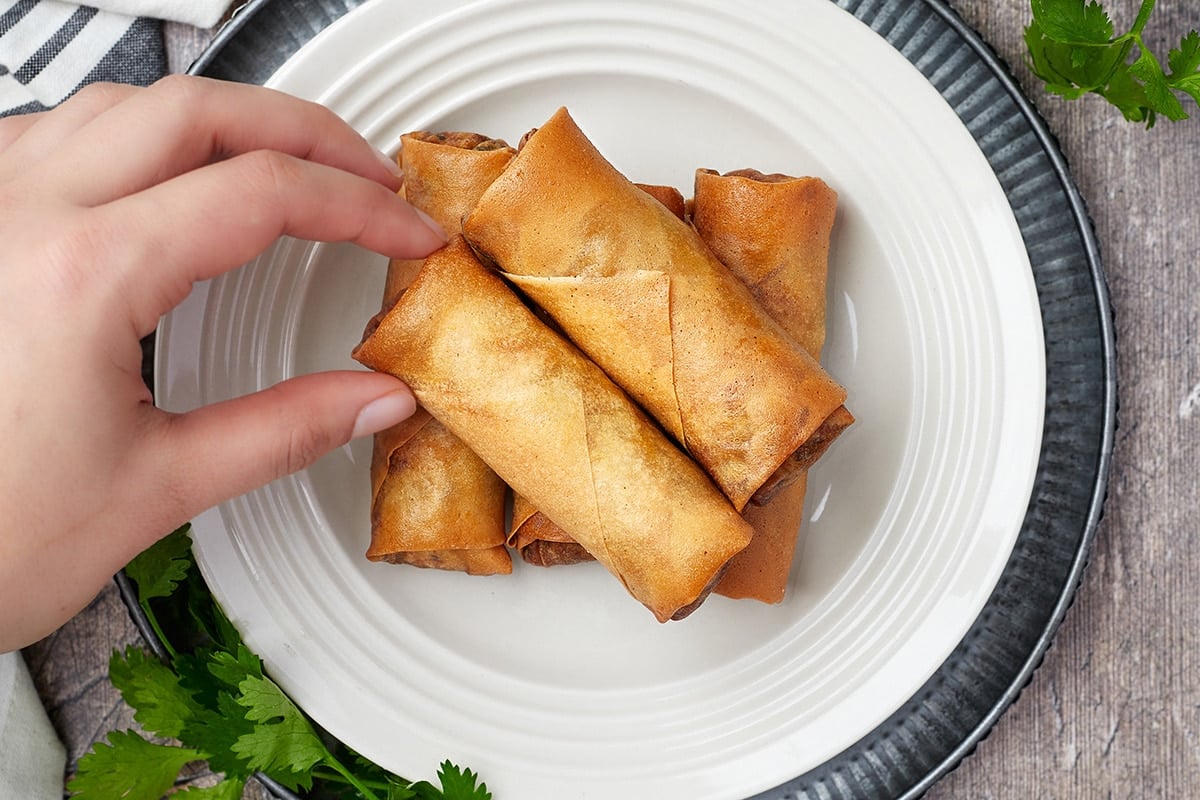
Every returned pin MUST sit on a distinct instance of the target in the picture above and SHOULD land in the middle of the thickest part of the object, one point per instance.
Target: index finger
(184, 122)
(160, 241)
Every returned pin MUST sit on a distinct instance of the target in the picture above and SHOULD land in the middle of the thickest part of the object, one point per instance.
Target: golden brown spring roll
(670, 197)
(636, 289)
(434, 503)
(435, 506)
(772, 232)
(538, 540)
(445, 174)
(562, 434)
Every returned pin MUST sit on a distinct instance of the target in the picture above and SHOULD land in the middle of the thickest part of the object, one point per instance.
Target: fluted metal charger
(946, 716)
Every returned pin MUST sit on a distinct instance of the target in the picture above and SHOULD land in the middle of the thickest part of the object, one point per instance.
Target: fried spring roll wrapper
(444, 175)
(540, 541)
(670, 197)
(772, 232)
(434, 503)
(636, 289)
(533, 535)
(562, 434)
(763, 575)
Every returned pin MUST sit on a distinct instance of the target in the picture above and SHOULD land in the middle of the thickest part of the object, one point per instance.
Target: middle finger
(30, 138)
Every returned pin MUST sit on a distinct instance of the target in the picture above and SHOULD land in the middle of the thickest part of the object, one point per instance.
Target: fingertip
(384, 412)
(437, 230)
(392, 165)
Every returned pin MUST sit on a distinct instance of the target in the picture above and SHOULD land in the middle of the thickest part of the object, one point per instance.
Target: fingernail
(431, 223)
(384, 412)
(392, 164)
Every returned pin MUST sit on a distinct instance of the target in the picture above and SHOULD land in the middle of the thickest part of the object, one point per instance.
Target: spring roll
(445, 173)
(636, 289)
(558, 430)
(434, 503)
(538, 540)
(772, 232)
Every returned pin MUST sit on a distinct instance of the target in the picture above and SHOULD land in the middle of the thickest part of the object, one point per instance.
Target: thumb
(226, 449)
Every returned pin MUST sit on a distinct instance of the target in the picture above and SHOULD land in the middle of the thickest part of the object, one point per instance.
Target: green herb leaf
(161, 705)
(160, 568)
(233, 668)
(402, 791)
(214, 732)
(214, 697)
(460, 784)
(1070, 21)
(128, 768)
(1158, 91)
(1185, 59)
(1074, 49)
(457, 784)
(1128, 95)
(1184, 63)
(283, 744)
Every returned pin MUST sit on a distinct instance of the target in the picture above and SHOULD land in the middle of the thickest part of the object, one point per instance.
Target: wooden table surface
(1114, 711)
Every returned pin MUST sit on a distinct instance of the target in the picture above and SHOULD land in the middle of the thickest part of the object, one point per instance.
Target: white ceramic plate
(555, 684)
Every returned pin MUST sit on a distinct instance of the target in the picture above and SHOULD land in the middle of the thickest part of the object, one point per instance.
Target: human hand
(111, 206)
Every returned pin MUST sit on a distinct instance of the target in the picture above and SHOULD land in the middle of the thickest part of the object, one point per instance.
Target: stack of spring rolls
(645, 379)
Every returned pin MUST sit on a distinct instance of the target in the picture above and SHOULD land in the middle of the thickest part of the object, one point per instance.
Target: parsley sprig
(210, 700)
(1074, 49)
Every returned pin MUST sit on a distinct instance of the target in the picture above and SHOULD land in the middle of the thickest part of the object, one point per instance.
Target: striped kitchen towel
(49, 49)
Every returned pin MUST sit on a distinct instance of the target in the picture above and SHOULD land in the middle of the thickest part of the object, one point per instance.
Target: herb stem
(340, 777)
(158, 631)
(337, 767)
(1143, 17)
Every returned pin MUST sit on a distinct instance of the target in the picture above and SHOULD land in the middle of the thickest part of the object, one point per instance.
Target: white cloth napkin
(49, 49)
(32, 758)
(201, 13)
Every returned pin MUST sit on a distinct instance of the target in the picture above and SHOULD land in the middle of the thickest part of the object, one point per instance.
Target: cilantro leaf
(401, 791)
(161, 705)
(1158, 92)
(214, 731)
(1070, 21)
(128, 767)
(214, 697)
(1185, 59)
(457, 784)
(1129, 96)
(1191, 85)
(233, 668)
(283, 744)
(460, 784)
(1184, 63)
(160, 568)
(1074, 49)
